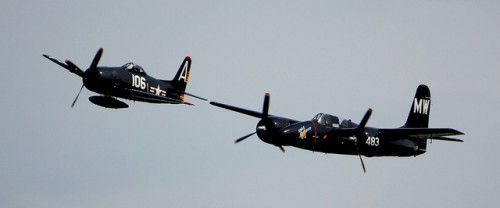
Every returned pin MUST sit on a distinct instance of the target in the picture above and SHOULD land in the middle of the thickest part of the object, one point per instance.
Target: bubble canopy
(132, 67)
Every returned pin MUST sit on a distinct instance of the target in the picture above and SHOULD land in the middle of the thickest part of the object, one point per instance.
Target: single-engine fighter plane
(330, 134)
(129, 81)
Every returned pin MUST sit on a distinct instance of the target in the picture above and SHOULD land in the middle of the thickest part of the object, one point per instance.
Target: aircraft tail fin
(181, 78)
(420, 109)
(180, 81)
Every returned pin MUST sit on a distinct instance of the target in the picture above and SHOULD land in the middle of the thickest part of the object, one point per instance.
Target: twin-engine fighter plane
(329, 134)
(129, 81)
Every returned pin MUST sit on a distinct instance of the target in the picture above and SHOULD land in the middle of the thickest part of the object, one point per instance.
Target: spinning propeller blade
(360, 134)
(74, 101)
(265, 107)
(244, 137)
(362, 163)
(363, 122)
(96, 59)
(282, 149)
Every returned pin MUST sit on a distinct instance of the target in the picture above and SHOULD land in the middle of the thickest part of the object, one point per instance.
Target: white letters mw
(421, 106)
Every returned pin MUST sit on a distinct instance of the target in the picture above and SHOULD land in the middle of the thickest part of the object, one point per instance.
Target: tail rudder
(182, 77)
(180, 81)
(420, 109)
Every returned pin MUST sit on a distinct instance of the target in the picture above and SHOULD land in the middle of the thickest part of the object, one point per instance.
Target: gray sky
(314, 56)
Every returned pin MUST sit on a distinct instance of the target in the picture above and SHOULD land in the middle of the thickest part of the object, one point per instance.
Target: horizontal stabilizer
(186, 93)
(446, 139)
(420, 132)
(198, 97)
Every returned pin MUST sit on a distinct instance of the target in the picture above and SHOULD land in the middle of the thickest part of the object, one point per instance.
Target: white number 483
(373, 141)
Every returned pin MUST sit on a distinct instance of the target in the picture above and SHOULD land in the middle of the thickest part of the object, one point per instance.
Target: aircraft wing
(154, 98)
(72, 67)
(239, 110)
(429, 133)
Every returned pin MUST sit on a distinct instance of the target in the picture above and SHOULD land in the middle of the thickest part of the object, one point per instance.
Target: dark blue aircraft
(129, 81)
(330, 134)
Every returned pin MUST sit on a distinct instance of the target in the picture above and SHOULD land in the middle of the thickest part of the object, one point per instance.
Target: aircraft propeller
(73, 68)
(78, 95)
(244, 137)
(264, 115)
(360, 134)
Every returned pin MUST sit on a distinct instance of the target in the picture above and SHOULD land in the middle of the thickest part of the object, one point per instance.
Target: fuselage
(328, 134)
(129, 83)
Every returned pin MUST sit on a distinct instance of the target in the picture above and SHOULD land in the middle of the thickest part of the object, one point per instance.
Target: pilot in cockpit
(134, 68)
(327, 120)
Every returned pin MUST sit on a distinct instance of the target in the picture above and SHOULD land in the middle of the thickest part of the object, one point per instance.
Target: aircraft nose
(95, 74)
(289, 132)
(300, 131)
(99, 80)
(286, 131)
(104, 74)
(267, 131)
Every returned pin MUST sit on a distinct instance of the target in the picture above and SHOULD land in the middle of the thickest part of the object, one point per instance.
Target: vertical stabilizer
(182, 77)
(420, 109)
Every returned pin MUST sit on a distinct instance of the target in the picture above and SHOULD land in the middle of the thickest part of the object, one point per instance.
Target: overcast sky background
(337, 57)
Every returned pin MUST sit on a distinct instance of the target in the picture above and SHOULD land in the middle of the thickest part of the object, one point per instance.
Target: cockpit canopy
(134, 68)
(330, 120)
